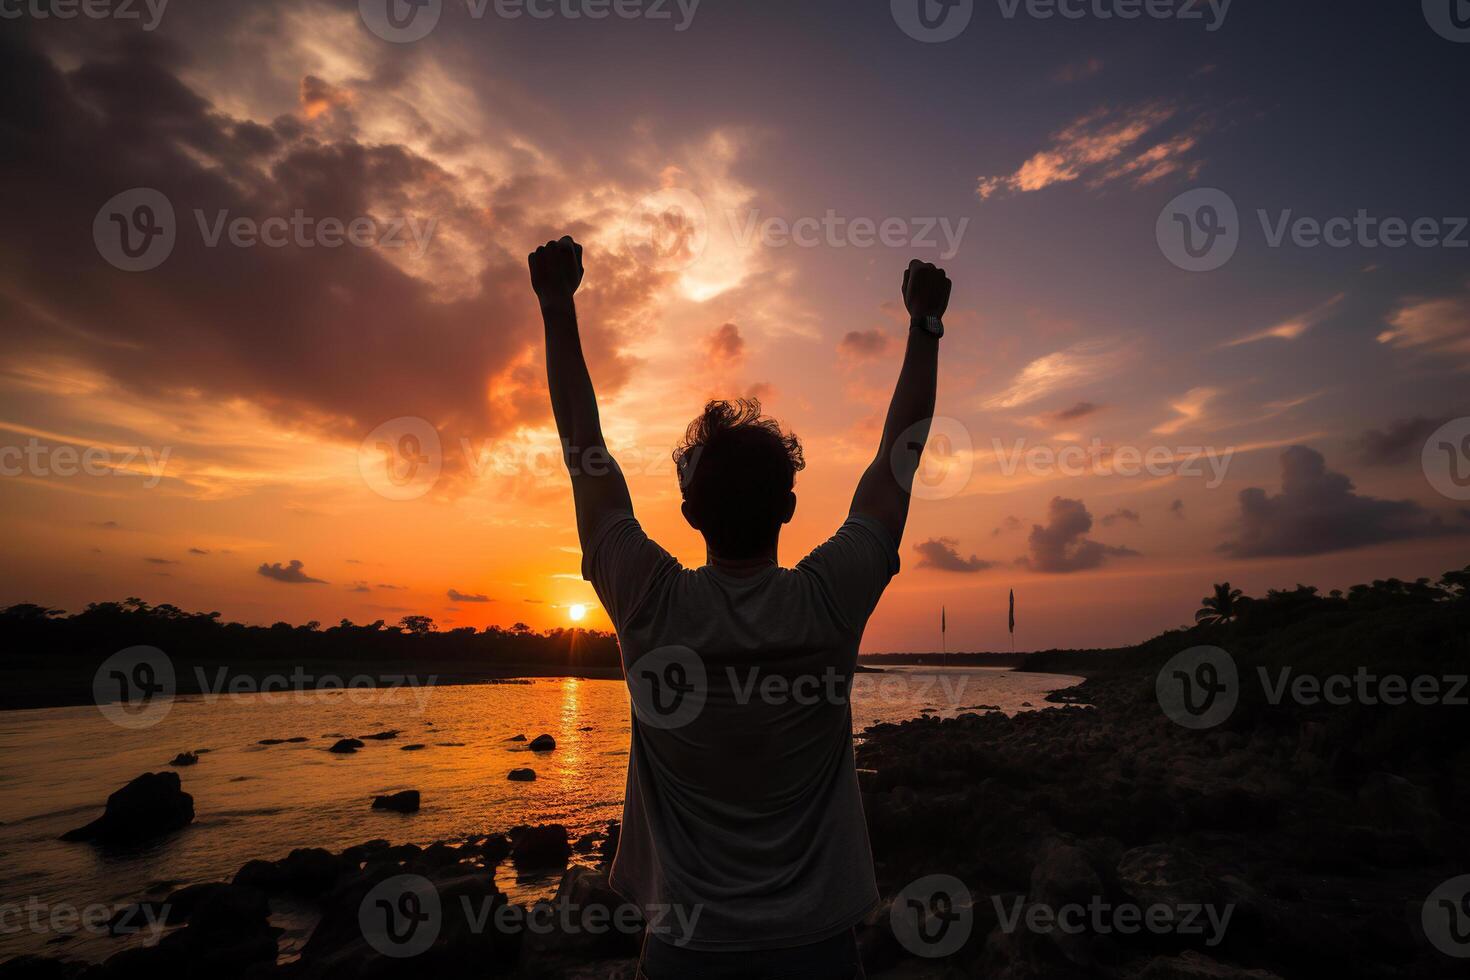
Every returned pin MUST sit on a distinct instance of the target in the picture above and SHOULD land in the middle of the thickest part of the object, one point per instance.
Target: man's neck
(742, 566)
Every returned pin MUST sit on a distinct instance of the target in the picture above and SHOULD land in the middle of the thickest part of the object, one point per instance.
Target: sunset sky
(251, 377)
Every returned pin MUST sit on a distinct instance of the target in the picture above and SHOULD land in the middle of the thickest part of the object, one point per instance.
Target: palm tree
(1222, 607)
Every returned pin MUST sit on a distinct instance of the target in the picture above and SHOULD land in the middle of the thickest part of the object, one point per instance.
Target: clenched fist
(925, 290)
(556, 272)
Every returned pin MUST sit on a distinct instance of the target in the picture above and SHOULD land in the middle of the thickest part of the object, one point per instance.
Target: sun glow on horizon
(577, 613)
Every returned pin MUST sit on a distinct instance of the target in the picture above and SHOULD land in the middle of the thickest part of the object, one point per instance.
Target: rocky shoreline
(1094, 839)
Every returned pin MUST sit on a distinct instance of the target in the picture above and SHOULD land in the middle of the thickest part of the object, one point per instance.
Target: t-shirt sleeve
(853, 567)
(622, 563)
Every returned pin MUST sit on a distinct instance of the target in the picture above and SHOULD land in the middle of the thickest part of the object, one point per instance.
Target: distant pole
(1012, 623)
(943, 644)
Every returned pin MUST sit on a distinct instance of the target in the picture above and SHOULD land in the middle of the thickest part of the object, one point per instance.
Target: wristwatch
(932, 324)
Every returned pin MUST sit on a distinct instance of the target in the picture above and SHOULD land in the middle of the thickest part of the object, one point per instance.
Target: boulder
(406, 801)
(150, 806)
(381, 736)
(411, 748)
(345, 746)
(494, 849)
(590, 921)
(539, 847)
(464, 945)
(542, 743)
(184, 759)
(522, 775)
(306, 873)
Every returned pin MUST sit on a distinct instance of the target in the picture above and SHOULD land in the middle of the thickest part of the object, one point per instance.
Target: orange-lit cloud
(1109, 144)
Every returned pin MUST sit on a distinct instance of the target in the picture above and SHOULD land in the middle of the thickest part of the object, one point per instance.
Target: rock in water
(382, 736)
(542, 743)
(150, 806)
(184, 759)
(404, 802)
(541, 847)
(522, 775)
(346, 746)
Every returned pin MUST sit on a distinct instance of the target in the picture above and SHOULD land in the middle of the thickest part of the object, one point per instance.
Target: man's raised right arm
(883, 492)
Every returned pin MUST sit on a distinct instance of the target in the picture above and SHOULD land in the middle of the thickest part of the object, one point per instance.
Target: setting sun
(577, 613)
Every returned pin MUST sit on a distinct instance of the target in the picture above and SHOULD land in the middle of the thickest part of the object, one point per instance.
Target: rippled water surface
(57, 766)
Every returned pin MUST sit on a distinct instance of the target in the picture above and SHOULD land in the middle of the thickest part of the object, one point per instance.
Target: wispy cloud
(1079, 364)
(1107, 145)
(1431, 326)
(1292, 327)
(1190, 409)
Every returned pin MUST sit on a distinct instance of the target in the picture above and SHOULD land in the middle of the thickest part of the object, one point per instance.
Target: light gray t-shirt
(743, 825)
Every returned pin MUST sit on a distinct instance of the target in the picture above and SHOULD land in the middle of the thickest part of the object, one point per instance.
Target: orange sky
(250, 378)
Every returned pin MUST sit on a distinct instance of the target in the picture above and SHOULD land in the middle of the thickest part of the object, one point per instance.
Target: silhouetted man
(743, 836)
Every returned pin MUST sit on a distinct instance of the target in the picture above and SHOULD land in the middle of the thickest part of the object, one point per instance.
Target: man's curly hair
(736, 467)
